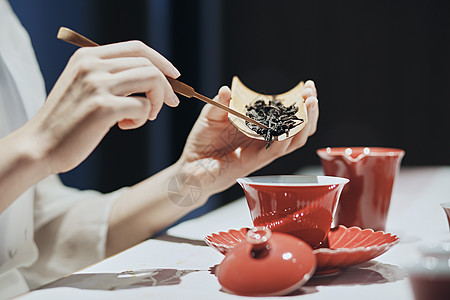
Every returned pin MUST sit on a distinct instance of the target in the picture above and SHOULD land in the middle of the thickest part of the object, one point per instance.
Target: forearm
(22, 165)
(150, 206)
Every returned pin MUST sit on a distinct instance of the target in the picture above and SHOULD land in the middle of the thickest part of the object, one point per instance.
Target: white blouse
(50, 230)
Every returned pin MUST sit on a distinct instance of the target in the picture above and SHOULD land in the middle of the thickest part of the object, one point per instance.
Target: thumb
(215, 113)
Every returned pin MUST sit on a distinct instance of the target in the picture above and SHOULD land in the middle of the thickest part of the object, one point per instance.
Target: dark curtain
(382, 69)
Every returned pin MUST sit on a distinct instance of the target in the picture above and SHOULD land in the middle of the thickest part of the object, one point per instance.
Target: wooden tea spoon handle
(68, 35)
(188, 91)
(72, 37)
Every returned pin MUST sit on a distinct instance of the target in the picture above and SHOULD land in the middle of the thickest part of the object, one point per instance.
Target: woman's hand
(216, 153)
(92, 95)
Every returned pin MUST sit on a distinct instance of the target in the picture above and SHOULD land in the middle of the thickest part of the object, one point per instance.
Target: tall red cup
(366, 198)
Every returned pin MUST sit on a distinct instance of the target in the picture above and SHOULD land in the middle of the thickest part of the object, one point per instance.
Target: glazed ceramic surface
(365, 200)
(346, 246)
(351, 246)
(430, 277)
(241, 96)
(302, 206)
(446, 207)
(265, 264)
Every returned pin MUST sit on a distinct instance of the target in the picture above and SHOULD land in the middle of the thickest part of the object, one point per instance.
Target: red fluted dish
(346, 246)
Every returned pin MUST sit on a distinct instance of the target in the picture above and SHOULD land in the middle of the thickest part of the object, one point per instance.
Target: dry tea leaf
(242, 97)
(279, 118)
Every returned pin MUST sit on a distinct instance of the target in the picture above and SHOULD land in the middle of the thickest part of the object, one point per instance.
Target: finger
(136, 80)
(115, 65)
(300, 138)
(147, 80)
(310, 84)
(307, 92)
(128, 124)
(156, 102)
(313, 113)
(312, 106)
(171, 98)
(158, 96)
(130, 112)
(215, 113)
(137, 49)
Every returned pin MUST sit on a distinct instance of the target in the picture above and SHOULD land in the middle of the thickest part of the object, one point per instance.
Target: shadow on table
(123, 280)
(304, 290)
(372, 272)
(174, 239)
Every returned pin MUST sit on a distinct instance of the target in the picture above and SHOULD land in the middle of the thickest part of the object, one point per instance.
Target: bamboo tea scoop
(70, 36)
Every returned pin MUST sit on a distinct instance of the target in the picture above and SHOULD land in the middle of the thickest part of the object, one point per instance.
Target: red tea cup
(365, 200)
(302, 206)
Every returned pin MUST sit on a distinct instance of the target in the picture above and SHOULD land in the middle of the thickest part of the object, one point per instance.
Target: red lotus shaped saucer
(346, 246)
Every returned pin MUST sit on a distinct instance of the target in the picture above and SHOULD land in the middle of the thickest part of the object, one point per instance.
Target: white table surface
(179, 261)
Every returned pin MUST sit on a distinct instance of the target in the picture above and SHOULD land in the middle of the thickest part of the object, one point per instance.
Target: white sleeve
(71, 227)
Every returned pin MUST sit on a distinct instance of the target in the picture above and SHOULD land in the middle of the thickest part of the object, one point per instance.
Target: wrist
(32, 153)
(187, 185)
(22, 166)
(200, 174)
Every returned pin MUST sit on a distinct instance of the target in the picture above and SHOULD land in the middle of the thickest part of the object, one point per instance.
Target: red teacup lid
(267, 264)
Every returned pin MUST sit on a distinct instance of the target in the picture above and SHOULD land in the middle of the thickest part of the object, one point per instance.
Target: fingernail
(175, 72)
(174, 100)
(152, 115)
(307, 92)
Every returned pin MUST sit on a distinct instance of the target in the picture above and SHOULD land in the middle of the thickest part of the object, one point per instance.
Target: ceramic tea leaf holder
(241, 96)
(266, 264)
